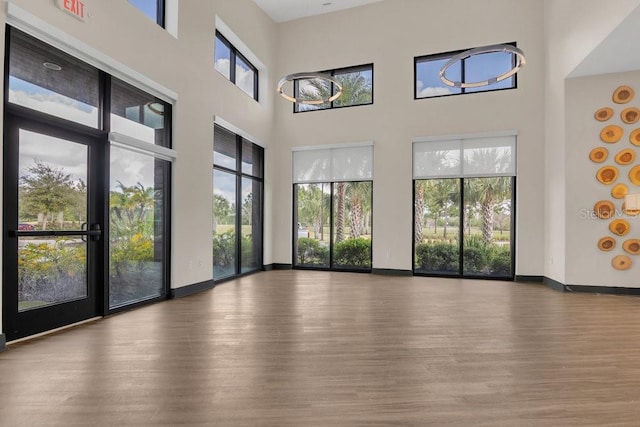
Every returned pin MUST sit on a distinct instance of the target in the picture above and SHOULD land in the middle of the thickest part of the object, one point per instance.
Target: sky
(149, 7)
(126, 166)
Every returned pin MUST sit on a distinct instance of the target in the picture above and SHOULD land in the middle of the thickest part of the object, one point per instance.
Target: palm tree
(419, 207)
(359, 200)
(356, 89)
(489, 192)
(441, 198)
(341, 191)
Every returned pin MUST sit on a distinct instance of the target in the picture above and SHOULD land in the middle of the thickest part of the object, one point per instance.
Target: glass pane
(357, 88)
(312, 90)
(352, 225)
(149, 7)
(136, 220)
(251, 244)
(137, 114)
(222, 58)
(52, 195)
(436, 223)
(428, 83)
(52, 82)
(245, 77)
(252, 156)
(482, 67)
(224, 225)
(224, 148)
(487, 227)
(313, 206)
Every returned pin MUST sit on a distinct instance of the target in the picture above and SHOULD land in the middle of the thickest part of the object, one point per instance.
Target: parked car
(302, 232)
(23, 226)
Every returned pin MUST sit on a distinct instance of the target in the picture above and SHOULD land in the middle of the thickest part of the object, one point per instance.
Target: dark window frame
(461, 214)
(239, 176)
(235, 53)
(294, 233)
(13, 111)
(332, 73)
(463, 91)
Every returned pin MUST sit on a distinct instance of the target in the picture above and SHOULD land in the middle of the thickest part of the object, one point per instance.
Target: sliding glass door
(332, 225)
(463, 206)
(237, 205)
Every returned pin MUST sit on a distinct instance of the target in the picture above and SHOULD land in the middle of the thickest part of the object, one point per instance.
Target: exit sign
(74, 7)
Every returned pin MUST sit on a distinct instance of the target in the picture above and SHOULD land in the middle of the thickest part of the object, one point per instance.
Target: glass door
(53, 229)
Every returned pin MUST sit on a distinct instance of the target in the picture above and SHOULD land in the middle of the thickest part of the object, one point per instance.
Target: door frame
(20, 324)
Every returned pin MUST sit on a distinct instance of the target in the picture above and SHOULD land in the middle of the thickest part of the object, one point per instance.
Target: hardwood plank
(291, 348)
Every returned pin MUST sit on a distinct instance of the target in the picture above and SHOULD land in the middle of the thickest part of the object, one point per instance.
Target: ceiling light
(309, 76)
(52, 66)
(520, 62)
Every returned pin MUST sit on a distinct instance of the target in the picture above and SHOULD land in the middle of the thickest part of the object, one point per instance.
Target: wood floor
(300, 348)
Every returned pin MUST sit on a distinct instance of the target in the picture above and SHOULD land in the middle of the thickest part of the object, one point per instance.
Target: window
(333, 207)
(235, 67)
(237, 205)
(154, 9)
(357, 88)
(463, 206)
(473, 69)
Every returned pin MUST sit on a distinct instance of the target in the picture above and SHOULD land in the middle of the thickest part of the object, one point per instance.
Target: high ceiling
(288, 10)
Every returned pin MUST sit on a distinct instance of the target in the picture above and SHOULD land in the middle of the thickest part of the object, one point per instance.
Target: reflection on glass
(245, 76)
(312, 90)
(487, 227)
(437, 226)
(357, 88)
(313, 213)
(224, 148)
(352, 225)
(223, 58)
(137, 114)
(251, 243)
(224, 225)
(47, 80)
(52, 195)
(428, 83)
(252, 156)
(482, 67)
(136, 220)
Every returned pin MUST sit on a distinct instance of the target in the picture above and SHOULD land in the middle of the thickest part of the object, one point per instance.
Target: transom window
(357, 89)
(154, 9)
(235, 67)
(472, 69)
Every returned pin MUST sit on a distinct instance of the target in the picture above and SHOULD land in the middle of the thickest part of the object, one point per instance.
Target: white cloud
(244, 76)
(422, 92)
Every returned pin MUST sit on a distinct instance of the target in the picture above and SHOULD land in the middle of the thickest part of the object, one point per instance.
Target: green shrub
(441, 257)
(475, 259)
(224, 248)
(501, 261)
(312, 252)
(353, 253)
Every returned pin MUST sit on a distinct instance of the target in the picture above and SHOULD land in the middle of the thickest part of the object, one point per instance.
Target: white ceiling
(288, 10)
(619, 52)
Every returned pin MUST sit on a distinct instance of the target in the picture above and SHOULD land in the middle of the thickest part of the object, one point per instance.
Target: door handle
(95, 232)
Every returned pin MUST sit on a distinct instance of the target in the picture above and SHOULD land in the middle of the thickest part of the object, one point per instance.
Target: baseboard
(191, 289)
(529, 279)
(391, 272)
(553, 284)
(609, 290)
(277, 266)
(3, 343)
(606, 290)
(267, 267)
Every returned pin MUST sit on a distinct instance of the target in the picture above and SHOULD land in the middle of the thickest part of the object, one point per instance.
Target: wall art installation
(618, 168)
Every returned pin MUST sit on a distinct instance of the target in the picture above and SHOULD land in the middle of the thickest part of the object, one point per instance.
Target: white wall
(585, 263)
(573, 29)
(390, 34)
